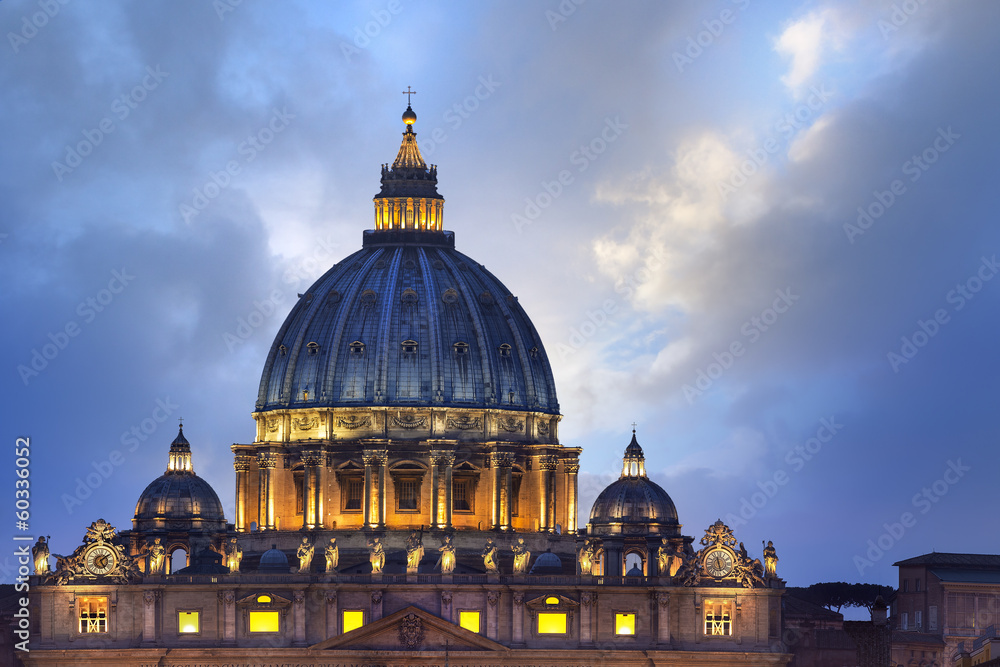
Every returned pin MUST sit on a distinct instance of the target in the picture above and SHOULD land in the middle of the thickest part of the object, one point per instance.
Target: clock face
(719, 563)
(101, 560)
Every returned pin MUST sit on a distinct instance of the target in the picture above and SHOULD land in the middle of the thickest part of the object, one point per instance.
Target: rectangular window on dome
(469, 620)
(625, 623)
(551, 623)
(188, 622)
(353, 494)
(718, 618)
(93, 614)
(264, 621)
(353, 619)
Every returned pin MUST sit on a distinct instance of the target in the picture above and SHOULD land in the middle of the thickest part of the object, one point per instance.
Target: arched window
(178, 560)
(313, 348)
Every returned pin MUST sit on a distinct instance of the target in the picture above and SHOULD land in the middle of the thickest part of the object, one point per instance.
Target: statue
(40, 554)
(676, 560)
(332, 556)
(376, 555)
(157, 556)
(305, 554)
(770, 560)
(447, 559)
(414, 553)
(490, 557)
(664, 558)
(234, 557)
(521, 556)
(587, 557)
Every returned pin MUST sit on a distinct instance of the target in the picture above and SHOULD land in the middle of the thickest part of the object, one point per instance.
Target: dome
(547, 563)
(634, 498)
(274, 560)
(408, 321)
(179, 499)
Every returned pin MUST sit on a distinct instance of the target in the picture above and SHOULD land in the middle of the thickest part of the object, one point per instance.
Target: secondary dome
(179, 499)
(634, 500)
(408, 320)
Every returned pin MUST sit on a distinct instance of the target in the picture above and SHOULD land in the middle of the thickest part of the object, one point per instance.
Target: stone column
(149, 616)
(241, 463)
(572, 467)
(312, 493)
(374, 502)
(332, 614)
(437, 510)
(546, 467)
(587, 601)
(265, 517)
(663, 617)
(449, 504)
(492, 602)
(517, 621)
(503, 487)
(228, 616)
(613, 556)
(441, 498)
(299, 618)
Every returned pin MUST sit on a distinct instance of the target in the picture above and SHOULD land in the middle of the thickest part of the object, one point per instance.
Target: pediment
(410, 629)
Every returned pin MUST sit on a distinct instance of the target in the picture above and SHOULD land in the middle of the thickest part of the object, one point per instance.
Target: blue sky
(763, 232)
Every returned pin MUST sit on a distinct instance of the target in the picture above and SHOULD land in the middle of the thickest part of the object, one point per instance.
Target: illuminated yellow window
(552, 600)
(353, 619)
(263, 621)
(188, 622)
(469, 620)
(624, 624)
(718, 618)
(93, 615)
(551, 623)
(263, 599)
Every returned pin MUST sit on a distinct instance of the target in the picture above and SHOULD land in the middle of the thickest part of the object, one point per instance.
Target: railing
(400, 579)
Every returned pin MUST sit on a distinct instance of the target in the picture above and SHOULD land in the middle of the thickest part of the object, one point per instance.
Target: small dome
(547, 563)
(634, 498)
(273, 560)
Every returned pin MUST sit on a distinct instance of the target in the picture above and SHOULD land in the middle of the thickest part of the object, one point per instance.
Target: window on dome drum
(93, 614)
(515, 494)
(313, 348)
(461, 495)
(298, 481)
(551, 623)
(409, 347)
(625, 623)
(505, 350)
(353, 493)
(357, 348)
(264, 621)
(718, 618)
(188, 622)
(461, 349)
(353, 619)
(408, 494)
(469, 620)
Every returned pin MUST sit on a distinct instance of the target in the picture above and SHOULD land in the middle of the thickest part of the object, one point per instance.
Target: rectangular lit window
(718, 619)
(469, 620)
(551, 623)
(353, 493)
(93, 615)
(188, 622)
(625, 623)
(353, 619)
(460, 497)
(263, 621)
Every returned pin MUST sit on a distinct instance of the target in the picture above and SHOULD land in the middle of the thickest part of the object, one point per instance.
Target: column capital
(571, 466)
(445, 457)
(501, 460)
(267, 460)
(547, 462)
(375, 457)
(312, 457)
(241, 462)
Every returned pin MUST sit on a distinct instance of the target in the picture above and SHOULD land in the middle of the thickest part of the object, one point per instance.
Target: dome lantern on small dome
(633, 463)
(180, 454)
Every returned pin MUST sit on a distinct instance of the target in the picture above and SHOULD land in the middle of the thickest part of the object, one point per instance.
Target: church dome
(634, 499)
(408, 321)
(179, 499)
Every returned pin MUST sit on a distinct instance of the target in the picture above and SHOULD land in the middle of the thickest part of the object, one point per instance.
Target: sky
(762, 232)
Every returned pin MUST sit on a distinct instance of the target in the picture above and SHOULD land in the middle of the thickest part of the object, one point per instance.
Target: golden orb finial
(409, 117)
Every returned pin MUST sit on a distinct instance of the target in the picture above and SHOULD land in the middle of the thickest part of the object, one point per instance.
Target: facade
(406, 500)
(944, 605)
